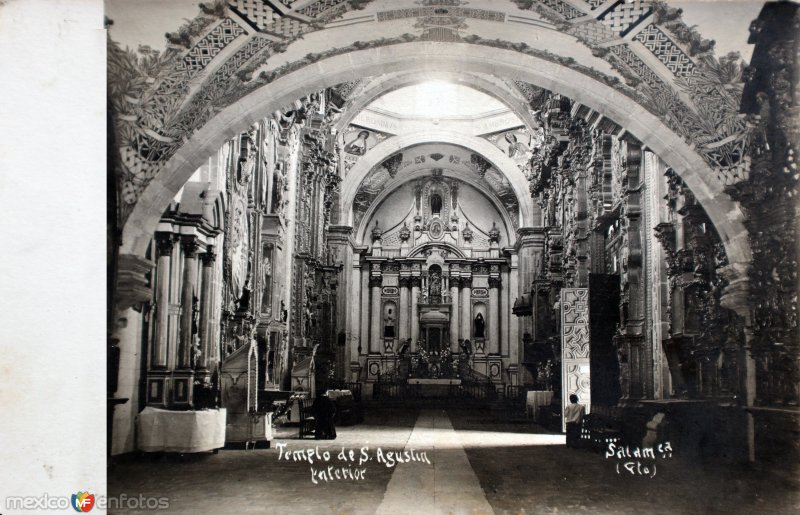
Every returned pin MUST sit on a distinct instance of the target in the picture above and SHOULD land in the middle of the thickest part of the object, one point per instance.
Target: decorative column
(403, 316)
(455, 284)
(466, 308)
(416, 282)
(363, 344)
(505, 310)
(207, 295)
(354, 310)
(158, 359)
(189, 245)
(494, 315)
(512, 286)
(375, 318)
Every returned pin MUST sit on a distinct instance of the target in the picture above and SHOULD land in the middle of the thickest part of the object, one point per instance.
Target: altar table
(535, 399)
(181, 431)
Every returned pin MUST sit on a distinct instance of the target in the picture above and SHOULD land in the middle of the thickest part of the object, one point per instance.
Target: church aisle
(448, 486)
(478, 464)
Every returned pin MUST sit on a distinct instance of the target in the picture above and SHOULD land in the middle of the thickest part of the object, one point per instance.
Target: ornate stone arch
(621, 108)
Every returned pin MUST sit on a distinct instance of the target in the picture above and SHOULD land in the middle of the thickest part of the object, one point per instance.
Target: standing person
(573, 416)
(324, 411)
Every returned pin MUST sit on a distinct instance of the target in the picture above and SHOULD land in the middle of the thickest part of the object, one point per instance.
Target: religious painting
(358, 141)
(517, 144)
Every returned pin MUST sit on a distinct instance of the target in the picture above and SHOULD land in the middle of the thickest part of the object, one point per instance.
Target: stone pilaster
(466, 308)
(416, 282)
(455, 285)
(494, 315)
(158, 358)
(189, 245)
(404, 316)
(363, 344)
(207, 299)
(375, 337)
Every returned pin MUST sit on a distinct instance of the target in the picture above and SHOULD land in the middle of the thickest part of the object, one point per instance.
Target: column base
(157, 387)
(355, 370)
(183, 388)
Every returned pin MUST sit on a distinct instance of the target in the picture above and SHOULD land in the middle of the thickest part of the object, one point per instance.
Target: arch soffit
(363, 227)
(430, 56)
(416, 251)
(378, 154)
(386, 85)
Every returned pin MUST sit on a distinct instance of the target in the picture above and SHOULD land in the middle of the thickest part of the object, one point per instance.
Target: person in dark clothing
(324, 410)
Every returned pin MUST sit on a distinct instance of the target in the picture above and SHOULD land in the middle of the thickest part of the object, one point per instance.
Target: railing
(394, 390)
(474, 391)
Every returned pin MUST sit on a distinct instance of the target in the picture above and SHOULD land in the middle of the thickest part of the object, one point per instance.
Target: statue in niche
(436, 204)
(266, 266)
(359, 146)
(388, 325)
(479, 326)
(243, 302)
(284, 312)
(435, 285)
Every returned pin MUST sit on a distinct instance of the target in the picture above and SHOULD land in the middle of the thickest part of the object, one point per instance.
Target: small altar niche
(434, 327)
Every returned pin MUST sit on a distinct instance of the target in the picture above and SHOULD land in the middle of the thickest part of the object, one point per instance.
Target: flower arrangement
(434, 363)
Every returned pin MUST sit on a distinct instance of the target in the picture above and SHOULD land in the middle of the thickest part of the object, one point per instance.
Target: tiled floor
(478, 464)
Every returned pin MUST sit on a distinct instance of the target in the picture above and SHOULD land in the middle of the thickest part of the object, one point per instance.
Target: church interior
(448, 217)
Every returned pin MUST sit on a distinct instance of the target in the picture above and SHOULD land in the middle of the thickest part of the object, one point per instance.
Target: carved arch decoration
(506, 182)
(682, 104)
(452, 250)
(362, 228)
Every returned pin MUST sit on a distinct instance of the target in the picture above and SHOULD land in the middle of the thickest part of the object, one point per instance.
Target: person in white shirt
(573, 416)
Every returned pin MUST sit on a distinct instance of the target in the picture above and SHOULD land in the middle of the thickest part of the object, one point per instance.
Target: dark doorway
(604, 292)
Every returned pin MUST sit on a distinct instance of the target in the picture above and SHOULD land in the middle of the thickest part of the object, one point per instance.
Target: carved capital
(376, 281)
(405, 282)
(494, 282)
(416, 281)
(164, 243)
(189, 244)
(209, 257)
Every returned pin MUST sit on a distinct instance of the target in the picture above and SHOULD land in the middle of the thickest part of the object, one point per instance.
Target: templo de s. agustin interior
(447, 217)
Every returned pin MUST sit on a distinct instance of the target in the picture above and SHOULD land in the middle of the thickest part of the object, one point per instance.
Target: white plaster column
(207, 316)
(164, 244)
(363, 341)
(494, 315)
(189, 245)
(354, 309)
(415, 284)
(404, 316)
(514, 323)
(455, 329)
(505, 312)
(375, 318)
(466, 308)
